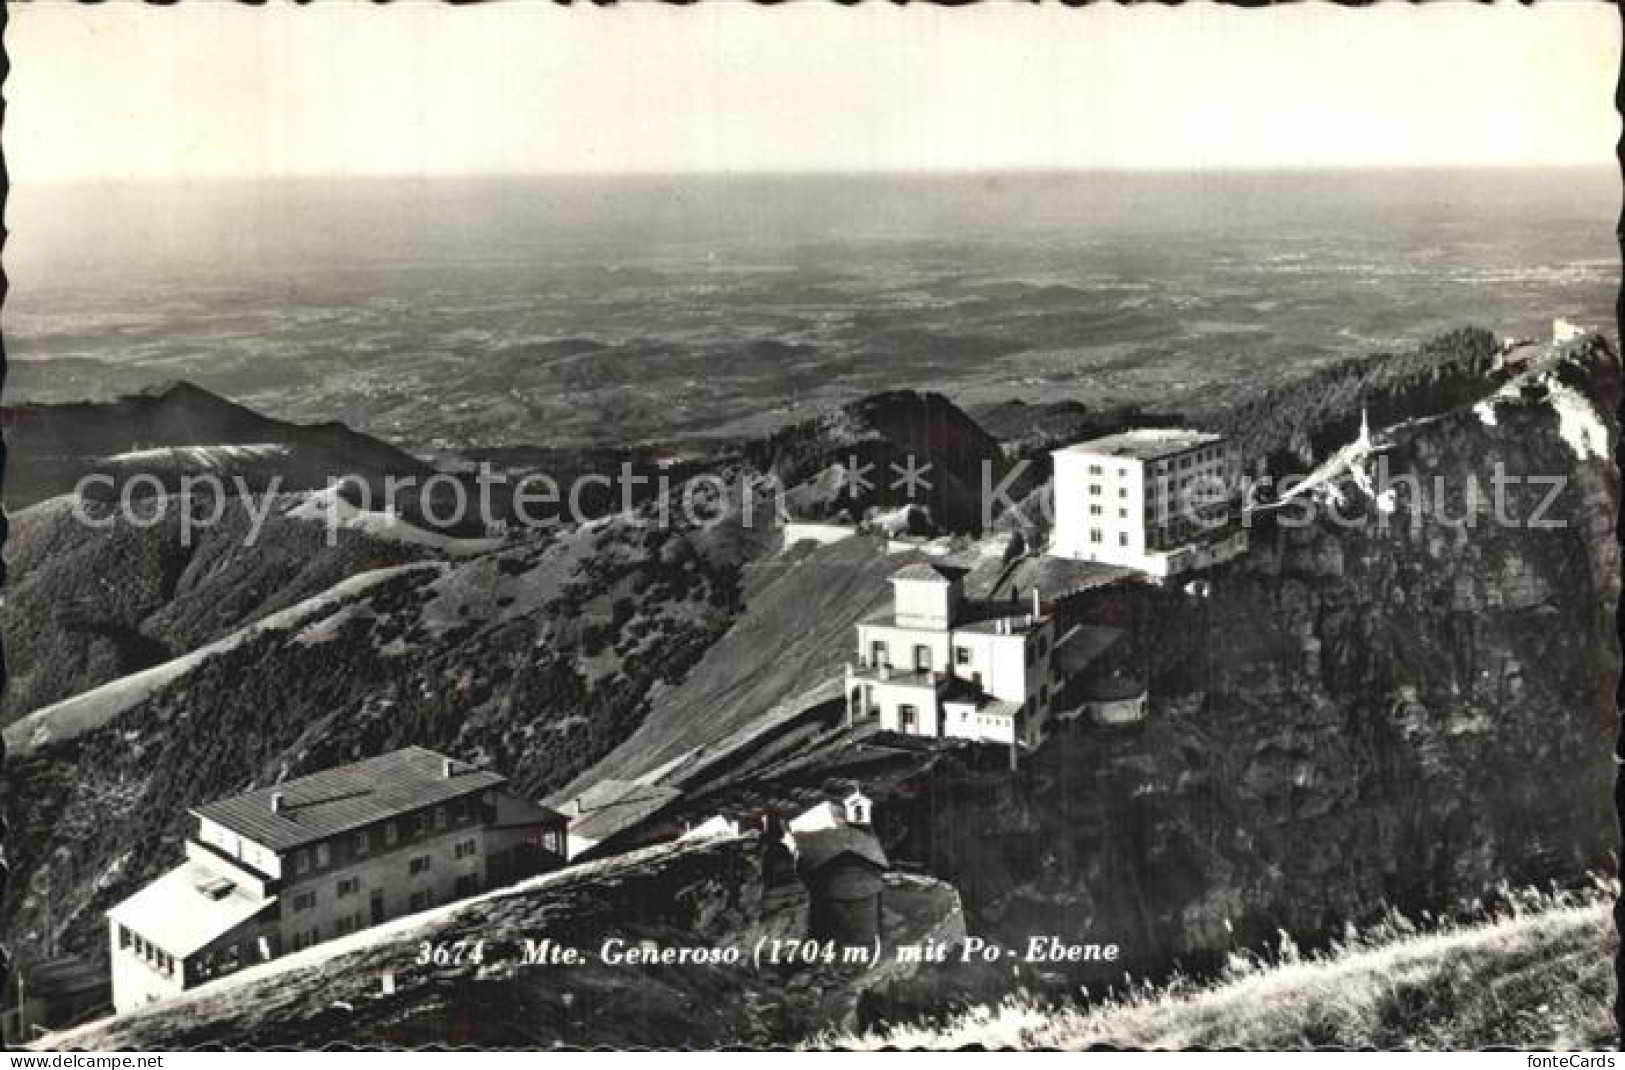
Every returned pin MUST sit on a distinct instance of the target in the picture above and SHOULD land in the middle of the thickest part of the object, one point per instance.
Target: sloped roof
(819, 816)
(348, 797)
(178, 916)
(817, 849)
(610, 806)
(925, 570)
(514, 812)
(1081, 645)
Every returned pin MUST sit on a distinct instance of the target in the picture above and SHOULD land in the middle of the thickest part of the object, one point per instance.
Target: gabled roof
(348, 797)
(817, 849)
(610, 806)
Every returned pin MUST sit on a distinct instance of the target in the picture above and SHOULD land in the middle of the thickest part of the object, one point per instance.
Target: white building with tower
(1162, 501)
(939, 666)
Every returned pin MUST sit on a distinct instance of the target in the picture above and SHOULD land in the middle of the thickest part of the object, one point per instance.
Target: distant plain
(459, 314)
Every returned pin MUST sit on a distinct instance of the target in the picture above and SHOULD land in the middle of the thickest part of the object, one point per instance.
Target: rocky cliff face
(1371, 708)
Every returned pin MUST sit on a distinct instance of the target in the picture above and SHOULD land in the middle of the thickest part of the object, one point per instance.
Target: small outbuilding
(844, 870)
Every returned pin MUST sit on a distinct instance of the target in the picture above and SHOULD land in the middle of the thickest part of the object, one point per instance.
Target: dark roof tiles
(348, 797)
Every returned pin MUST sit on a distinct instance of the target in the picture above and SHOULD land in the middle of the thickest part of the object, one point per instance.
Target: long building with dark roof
(292, 865)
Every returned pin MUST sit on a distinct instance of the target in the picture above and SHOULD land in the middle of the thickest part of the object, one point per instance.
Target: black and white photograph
(810, 526)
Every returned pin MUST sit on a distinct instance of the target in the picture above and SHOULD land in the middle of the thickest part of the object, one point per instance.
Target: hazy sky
(215, 89)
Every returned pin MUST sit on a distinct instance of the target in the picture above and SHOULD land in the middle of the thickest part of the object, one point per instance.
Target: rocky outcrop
(860, 457)
(1372, 708)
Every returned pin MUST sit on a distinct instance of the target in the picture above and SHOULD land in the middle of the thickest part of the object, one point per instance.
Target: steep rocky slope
(1391, 708)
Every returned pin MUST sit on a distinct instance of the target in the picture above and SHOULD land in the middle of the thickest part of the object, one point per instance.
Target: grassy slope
(795, 633)
(1542, 979)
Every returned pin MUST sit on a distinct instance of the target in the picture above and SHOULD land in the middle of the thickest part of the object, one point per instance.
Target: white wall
(900, 644)
(890, 698)
(924, 603)
(135, 981)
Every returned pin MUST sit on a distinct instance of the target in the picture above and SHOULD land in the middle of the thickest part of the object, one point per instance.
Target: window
(1094, 469)
(1122, 514)
(1094, 534)
(362, 842)
(1122, 492)
(391, 833)
(466, 849)
(961, 655)
(1094, 510)
(123, 937)
(420, 864)
(553, 841)
(304, 901)
(1094, 488)
(439, 817)
(301, 861)
(907, 716)
(422, 823)
(877, 652)
(324, 855)
(922, 658)
(1122, 539)
(419, 901)
(349, 886)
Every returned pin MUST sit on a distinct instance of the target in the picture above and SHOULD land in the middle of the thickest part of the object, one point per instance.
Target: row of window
(361, 842)
(1094, 491)
(416, 866)
(880, 654)
(146, 951)
(1201, 456)
(1096, 537)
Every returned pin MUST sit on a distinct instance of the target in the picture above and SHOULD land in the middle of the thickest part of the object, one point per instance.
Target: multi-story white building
(1162, 501)
(308, 860)
(940, 666)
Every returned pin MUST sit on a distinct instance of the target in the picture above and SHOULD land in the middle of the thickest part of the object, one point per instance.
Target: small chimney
(1038, 610)
(276, 802)
(445, 768)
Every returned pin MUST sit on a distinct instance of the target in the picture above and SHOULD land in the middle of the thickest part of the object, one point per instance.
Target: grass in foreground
(1539, 976)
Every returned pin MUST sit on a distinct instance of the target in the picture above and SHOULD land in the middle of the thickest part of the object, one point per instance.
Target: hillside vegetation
(1539, 979)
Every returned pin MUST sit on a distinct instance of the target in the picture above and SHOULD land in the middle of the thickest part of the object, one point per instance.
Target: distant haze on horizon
(204, 91)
